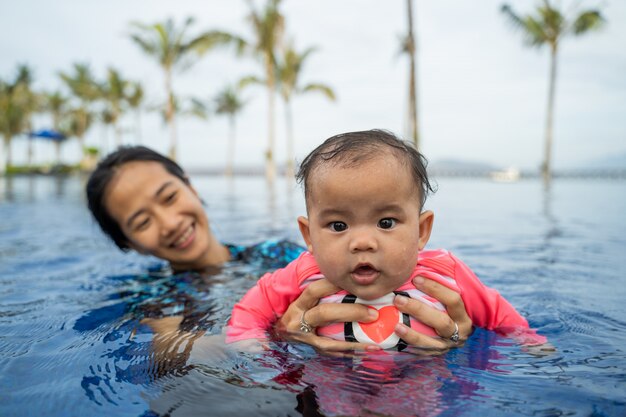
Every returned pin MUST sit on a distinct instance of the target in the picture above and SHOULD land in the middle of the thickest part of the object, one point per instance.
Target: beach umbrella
(50, 134)
(47, 134)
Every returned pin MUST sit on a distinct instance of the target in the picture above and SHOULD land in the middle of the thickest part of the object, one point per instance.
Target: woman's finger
(325, 344)
(431, 317)
(325, 314)
(313, 293)
(290, 321)
(430, 345)
(306, 308)
(454, 306)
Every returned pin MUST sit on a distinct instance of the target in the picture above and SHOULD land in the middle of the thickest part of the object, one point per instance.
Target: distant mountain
(615, 161)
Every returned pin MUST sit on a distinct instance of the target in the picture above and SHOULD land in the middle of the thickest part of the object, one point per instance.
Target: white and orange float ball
(380, 332)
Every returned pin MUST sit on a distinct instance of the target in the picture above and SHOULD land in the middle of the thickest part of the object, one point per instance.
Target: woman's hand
(289, 326)
(443, 324)
(306, 306)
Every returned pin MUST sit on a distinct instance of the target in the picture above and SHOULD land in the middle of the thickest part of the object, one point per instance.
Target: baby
(365, 233)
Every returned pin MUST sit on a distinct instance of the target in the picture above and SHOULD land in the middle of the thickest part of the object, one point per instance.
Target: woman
(145, 202)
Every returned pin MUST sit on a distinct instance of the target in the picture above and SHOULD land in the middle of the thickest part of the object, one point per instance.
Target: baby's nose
(363, 241)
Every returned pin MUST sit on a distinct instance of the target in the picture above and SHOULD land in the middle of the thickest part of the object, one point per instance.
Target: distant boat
(510, 174)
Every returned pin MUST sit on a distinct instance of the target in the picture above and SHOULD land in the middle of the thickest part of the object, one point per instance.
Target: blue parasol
(47, 134)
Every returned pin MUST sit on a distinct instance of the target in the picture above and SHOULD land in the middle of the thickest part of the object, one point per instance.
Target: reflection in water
(9, 194)
(72, 337)
(290, 186)
(31, 187)
(60, 182)
(548, 250)
(385, 384)
(271, 203)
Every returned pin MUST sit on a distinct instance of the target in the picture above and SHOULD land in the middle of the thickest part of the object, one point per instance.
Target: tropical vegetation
(268, 26)
(173, 49)
(409, 48)
(87, 100)
(289, 69)
(17, 105)
(548, 26)
(228, 102)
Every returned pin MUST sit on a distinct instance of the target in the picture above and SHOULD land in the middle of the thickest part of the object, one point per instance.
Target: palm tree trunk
(270, 167)
(9, 152)
(231, 146)
(57, 151)
(104, 139)
(5, 155)
(138, 127)
(29, 161)
(547, 156)
(83, 129)
(290, 153)
(118, 134)
(412, 78)
(170, 113)
(81, 143)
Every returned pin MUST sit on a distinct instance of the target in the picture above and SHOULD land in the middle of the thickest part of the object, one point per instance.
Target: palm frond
(208, 40)
(588, 20)
(321, 88)
(250, 80)
(228, 102)
(198, 108)
(532, 29)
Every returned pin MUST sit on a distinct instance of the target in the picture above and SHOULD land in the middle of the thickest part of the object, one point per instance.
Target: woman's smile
(186, 239)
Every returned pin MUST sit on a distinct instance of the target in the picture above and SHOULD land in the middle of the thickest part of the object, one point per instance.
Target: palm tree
(408, 47)
(83, 86)
(289, 69)
(115, 92)
(11, 122)
(56, 105)
(548, 27)
(30, 102)
(230, 104)
(174, 50)
(135, 102)
(268, 27)
(75, 123)
(17, 104)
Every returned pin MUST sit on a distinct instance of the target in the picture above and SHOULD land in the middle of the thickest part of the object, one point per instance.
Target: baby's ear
(303, 224)
(426, 227)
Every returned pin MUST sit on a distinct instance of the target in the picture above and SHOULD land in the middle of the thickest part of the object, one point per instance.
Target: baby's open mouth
(365, 274)
(365, 269)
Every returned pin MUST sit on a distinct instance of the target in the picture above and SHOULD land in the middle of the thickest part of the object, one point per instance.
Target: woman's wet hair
(351, 149)
(104, 173)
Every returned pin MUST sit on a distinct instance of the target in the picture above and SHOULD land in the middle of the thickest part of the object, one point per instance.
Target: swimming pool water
(71, 341)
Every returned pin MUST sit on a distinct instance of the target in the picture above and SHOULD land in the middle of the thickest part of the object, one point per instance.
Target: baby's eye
(386, 223)
(338, 226)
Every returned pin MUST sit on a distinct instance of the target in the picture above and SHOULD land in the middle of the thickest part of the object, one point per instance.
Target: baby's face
(364, 225)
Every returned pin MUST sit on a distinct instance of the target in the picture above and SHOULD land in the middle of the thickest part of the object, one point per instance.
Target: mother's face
(159, 214)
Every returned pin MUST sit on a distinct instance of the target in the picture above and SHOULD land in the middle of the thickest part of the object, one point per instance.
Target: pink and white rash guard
(268, 300)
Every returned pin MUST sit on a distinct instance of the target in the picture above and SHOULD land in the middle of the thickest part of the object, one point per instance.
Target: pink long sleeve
(267, 301)
(485, 306)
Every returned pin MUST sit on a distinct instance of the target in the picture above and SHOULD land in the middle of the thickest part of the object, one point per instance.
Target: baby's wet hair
(104, 173)
(351, 149)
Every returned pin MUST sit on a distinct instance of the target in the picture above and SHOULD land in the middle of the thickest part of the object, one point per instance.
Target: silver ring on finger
(305, 327)
(455, 336)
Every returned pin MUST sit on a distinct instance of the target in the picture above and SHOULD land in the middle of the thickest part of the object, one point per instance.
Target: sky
(482, 92)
